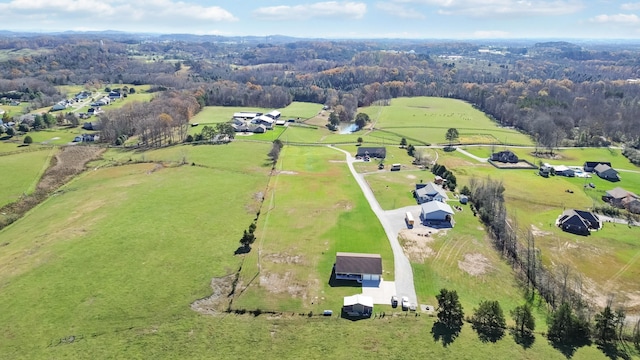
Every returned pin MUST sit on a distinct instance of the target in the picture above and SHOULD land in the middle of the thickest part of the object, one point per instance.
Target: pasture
(312, 210)
(124, 247)
(426, 120)
(25, 168)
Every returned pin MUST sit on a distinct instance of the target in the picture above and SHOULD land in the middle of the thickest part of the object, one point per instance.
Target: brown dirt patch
(343, 205)
(537, 232)
(283, 259)
(286, 172)
(70, 161)
(278, 284)
(219, 299)
(474, 264)
(416, 244)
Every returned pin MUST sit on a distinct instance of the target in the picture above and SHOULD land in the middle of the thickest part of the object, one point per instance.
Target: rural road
(403, 271)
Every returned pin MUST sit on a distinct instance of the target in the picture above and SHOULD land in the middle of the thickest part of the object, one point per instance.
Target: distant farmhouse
(623, 199)
(579, 222)
(255, 122)
(505, 157)
(358, 267)
(430, 192)
(590, 166)
(606, 172)
(373, 152)
(562, 170)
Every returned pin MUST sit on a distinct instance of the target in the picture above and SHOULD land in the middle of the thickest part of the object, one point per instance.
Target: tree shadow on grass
(489, 334)
(568, 350)
(525, 340)
(613, 352)
(242, 250)
(442, 332)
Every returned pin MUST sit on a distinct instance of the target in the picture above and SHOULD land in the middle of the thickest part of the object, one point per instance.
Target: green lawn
(312, 210)
(53, 136)
(25, 168)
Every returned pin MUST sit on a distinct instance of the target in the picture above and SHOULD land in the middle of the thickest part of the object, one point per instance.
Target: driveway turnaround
(403, 270)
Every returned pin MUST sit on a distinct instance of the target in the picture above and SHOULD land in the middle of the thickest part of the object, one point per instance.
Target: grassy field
(607, 261)
(313, 209)
(147, 240)
(300, 110)
(25, 169)
(427, 119)
(54, 136)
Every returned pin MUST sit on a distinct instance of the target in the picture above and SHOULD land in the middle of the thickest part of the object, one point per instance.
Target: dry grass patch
(474, 264)
(416, 244)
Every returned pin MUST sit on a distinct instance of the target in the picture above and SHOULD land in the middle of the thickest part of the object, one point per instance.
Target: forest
(560, 93)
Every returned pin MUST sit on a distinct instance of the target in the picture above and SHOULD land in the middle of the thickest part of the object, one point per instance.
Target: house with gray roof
(430, 192)
(606, 172)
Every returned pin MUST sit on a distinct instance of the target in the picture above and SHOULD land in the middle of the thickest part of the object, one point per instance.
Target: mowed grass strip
(25, 169)
(313, 209)
(122, 248)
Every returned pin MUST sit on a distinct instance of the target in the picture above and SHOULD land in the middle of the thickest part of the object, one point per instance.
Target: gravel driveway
(392, 223)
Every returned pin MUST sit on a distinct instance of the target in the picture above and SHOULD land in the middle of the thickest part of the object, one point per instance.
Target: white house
(437, 213)
(430, 192)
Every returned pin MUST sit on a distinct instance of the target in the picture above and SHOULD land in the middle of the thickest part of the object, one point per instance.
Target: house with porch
(430, 192)
(358, 266)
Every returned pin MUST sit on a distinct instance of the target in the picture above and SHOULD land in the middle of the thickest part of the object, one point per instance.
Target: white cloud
(399, 10)
(630, 6)
(493, 8)
(630, 19)
(342, 9)
(113, 13)
(490, 34)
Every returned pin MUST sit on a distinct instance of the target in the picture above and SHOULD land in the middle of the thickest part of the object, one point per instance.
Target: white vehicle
(405, 303)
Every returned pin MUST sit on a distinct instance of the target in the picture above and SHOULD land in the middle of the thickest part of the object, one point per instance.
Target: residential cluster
(255, 122)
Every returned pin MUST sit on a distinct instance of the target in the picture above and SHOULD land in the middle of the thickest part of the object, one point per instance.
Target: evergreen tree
(488, 320)
(450, 311)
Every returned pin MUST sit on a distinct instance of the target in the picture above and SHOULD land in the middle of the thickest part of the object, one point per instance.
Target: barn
(436, 213)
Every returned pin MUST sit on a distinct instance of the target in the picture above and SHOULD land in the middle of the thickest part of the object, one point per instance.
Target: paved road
(403, 270)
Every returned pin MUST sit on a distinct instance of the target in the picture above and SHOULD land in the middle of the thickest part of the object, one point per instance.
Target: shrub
(28, 139)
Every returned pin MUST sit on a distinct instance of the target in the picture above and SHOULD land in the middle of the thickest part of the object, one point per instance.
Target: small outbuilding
(358, 306)
(358, 266)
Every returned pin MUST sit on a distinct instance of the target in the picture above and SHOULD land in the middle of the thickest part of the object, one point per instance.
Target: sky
(409, 19)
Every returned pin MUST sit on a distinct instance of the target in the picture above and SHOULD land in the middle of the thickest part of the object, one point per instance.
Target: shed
(434, 212)
(275, 114)
(358, 266)
(358, 305)
(562, 170)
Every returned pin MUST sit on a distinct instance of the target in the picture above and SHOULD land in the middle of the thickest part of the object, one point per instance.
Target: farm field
(25, 169)
(426, 120)
(297, 251)
(53, 136)
(301, 110)
(145, 249)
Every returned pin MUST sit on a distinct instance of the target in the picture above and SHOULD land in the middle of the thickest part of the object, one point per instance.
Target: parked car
(413, 307)
(394, 301)
(405, 303)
